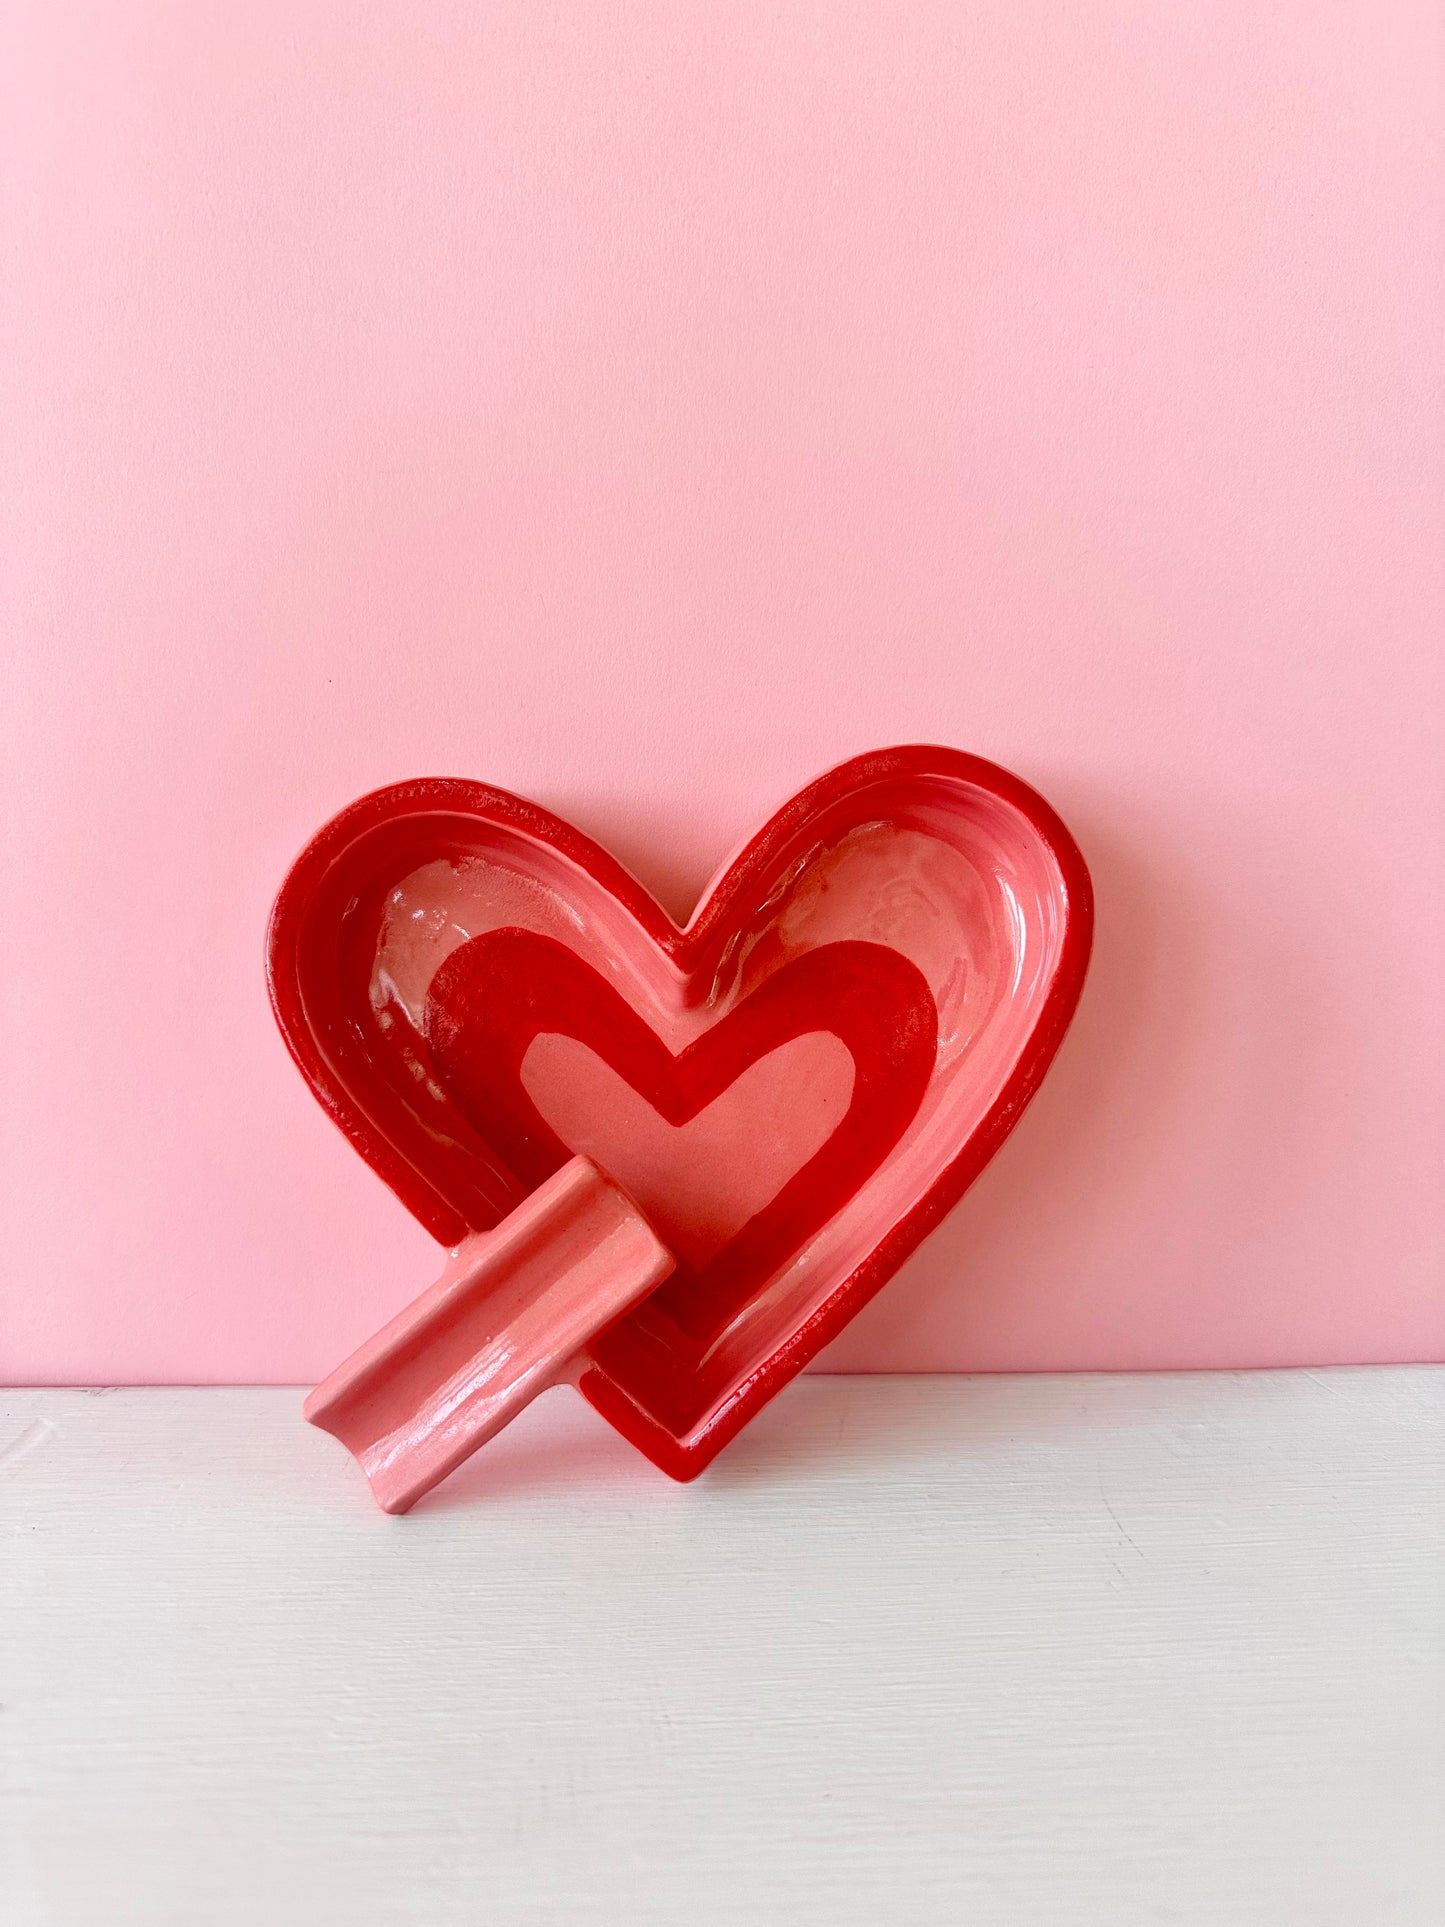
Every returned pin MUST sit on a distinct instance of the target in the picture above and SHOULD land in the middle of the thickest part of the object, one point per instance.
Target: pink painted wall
(643, 406)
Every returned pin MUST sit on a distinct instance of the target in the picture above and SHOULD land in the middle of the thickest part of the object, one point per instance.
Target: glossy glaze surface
(475, 991)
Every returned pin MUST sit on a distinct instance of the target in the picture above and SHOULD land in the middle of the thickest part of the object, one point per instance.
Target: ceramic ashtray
(668, 1164)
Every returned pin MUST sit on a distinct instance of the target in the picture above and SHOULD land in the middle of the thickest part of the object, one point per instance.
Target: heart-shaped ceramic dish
(795, 1087)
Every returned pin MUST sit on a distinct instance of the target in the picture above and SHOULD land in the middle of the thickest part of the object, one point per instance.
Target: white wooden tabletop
(1010, 1652)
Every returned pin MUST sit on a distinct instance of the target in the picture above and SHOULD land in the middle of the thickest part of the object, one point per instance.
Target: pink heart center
(699, 1182)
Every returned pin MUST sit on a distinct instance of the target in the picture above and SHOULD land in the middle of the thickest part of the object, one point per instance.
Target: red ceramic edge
(685, 946)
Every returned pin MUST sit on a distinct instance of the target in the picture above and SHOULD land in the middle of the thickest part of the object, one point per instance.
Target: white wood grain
(1042, 1652)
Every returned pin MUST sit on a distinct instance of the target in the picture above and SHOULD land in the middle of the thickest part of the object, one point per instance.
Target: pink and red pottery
(670, 1163)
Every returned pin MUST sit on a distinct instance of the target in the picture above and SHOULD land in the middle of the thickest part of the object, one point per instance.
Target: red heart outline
(322, 942)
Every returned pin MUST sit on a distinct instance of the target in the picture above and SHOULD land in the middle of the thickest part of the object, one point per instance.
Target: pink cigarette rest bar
(503, 1322)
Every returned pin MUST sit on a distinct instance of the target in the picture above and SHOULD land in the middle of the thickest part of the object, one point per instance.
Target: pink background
(644, 406)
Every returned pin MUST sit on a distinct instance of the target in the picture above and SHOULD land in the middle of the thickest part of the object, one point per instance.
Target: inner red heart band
(495, 994)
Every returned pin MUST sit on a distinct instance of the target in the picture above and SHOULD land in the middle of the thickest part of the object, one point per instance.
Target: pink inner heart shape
(700, 1182)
